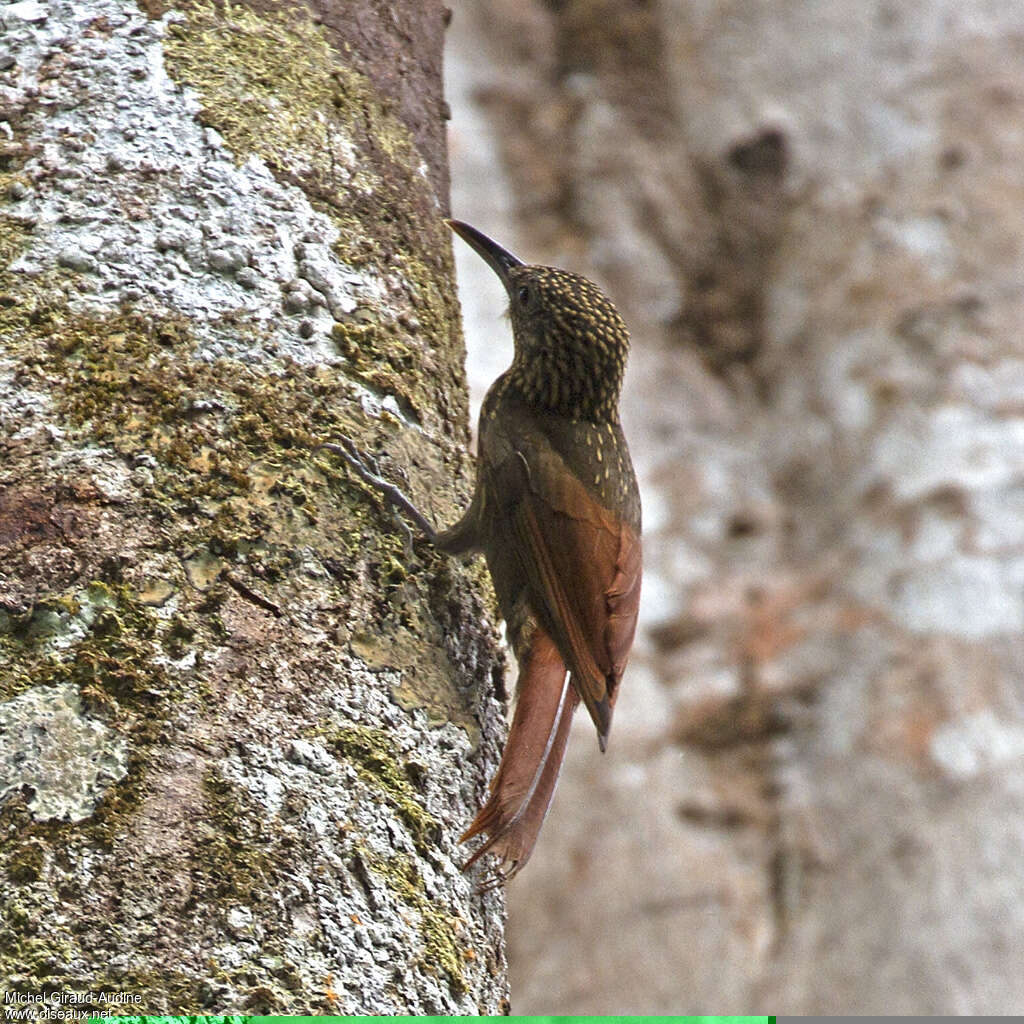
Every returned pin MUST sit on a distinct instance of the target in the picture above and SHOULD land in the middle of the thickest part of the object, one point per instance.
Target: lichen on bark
(185, 313)
(271, 85)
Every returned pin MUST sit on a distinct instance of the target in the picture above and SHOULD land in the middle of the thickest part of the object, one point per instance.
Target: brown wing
(582, 568)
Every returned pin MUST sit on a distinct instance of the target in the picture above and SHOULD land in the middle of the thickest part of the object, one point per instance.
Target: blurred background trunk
(242, 715)
(811, 214)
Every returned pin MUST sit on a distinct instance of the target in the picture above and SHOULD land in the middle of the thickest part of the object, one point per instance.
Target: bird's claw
(367, 469)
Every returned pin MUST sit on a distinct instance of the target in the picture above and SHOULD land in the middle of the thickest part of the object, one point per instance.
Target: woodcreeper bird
(556, 513)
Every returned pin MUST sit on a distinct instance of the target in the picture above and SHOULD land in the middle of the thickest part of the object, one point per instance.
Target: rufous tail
(522, 789)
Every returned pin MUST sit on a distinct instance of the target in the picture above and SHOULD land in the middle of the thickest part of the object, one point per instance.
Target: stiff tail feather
(522, 789)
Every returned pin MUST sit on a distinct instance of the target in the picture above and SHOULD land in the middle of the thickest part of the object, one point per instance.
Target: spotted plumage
(556, 511)
(571, 345)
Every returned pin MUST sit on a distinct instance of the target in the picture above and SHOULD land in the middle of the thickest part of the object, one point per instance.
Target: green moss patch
(372, 754)
(443, 954)
(13, 240)
(229, 441)
(100, 638)
(232, 862)
(270, 84)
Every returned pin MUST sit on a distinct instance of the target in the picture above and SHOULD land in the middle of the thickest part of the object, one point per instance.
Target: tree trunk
(811, 215)
(241, 706)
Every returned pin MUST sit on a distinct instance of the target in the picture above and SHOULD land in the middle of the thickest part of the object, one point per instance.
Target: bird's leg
(361, 465)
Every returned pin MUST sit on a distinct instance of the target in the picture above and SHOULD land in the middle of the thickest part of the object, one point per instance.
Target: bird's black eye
(524, 294)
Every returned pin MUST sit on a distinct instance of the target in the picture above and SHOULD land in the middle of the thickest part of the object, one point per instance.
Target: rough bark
(810, 213)
(240, 707)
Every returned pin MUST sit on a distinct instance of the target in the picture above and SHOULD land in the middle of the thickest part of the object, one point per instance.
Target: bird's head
(571, 344)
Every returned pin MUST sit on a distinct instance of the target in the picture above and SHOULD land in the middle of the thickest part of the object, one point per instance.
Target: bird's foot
(365, 467)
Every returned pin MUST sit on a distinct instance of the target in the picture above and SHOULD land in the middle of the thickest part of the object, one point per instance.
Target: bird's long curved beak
(500, 260)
